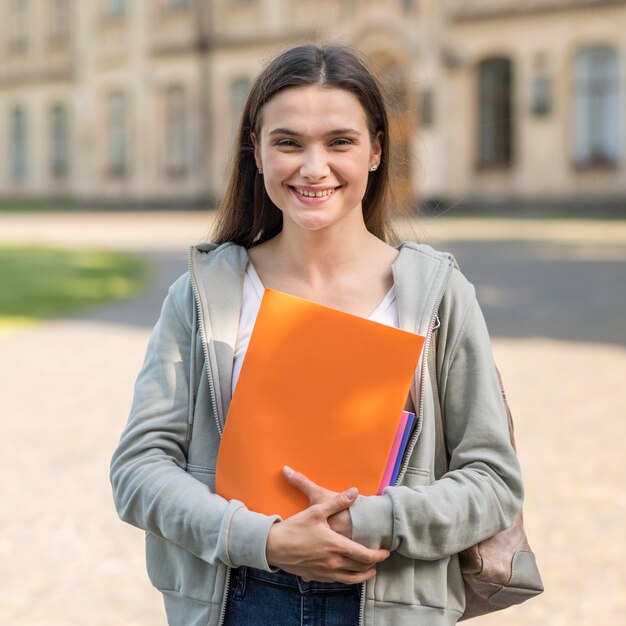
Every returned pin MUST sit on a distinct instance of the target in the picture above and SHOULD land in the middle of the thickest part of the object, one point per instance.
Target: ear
(257, 149)
(377, 146)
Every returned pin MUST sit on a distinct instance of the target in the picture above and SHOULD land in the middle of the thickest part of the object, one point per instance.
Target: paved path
(66, 560)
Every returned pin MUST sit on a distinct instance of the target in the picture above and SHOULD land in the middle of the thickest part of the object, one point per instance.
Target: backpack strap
(442, 457)
(441, 453)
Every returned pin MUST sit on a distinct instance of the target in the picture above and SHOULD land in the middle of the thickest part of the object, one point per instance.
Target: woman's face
(316, 152)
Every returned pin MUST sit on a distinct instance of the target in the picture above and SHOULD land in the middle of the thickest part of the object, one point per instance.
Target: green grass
(41, 283)
(36, 206)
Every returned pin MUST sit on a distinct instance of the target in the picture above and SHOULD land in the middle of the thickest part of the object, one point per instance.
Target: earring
(261, 171)
(374, 167)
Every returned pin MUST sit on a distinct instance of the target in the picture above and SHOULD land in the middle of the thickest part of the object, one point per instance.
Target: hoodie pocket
(172, 568)
(437, 584)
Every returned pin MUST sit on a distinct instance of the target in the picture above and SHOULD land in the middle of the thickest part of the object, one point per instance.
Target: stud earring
(374, 167)
(261, 171)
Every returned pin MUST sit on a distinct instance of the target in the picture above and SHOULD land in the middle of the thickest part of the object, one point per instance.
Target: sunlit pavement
(554, 294)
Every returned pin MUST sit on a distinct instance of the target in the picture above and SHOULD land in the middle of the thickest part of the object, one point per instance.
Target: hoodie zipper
(433, 326)
(205, 345)
(229, 571)
(362, 605)
(205, 349)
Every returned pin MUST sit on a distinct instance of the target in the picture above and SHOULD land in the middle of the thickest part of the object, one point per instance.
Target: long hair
(246, 215)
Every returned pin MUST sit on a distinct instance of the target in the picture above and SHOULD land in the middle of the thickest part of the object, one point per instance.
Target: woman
(305, 212)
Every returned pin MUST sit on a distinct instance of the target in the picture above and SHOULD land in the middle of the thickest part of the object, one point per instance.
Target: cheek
(278, 168)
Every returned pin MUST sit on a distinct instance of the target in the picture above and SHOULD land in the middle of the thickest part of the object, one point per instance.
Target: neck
(314, 255)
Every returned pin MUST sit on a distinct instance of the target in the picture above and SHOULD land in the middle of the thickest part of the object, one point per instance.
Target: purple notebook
(398, 449)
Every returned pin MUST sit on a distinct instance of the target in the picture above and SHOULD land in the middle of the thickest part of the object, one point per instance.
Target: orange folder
(319, 390)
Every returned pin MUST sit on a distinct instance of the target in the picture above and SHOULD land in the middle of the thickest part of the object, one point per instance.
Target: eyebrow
(293, 133)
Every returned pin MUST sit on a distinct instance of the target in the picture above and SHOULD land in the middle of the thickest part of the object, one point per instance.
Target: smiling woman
(40, 283)
(306, 212)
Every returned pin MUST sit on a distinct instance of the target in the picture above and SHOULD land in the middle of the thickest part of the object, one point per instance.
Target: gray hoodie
(163, 471)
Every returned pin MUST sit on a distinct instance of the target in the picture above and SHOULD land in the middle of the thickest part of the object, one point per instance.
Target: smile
(317, 193)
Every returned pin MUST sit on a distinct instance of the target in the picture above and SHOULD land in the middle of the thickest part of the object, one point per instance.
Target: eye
(342, 142)
(287, 143)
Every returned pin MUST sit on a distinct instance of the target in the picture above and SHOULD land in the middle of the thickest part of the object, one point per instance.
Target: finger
(302, 483)
(350, 565)
(351, 578)
(342, 576)
(356, 552)
(340, 502)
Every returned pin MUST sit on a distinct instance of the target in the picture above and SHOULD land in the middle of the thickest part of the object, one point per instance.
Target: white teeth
(314, 194)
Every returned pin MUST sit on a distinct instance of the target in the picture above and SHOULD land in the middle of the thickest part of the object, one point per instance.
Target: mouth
(312, 192)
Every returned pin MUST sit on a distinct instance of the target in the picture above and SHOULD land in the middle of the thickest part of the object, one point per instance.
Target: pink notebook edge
(393, 455)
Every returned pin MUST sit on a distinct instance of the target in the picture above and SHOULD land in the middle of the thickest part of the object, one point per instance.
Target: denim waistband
(291, 581)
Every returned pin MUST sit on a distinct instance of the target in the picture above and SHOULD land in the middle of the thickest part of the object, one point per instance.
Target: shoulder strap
(441, 456)
(442, 459)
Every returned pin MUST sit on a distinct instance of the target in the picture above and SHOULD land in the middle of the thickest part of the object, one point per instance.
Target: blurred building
(504, 102)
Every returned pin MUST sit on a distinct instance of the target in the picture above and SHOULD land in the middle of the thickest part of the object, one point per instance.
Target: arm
(151, 488)
(482, 491)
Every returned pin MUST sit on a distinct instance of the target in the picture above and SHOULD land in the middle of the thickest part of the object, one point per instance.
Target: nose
(314, 164)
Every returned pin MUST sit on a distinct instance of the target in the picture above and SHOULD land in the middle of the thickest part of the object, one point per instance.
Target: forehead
(313, 109)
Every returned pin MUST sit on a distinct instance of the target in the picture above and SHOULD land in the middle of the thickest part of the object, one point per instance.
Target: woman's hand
(340, 522)
(304, 544)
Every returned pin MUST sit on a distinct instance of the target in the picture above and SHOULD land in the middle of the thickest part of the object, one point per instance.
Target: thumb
(340, 502)
(304, 484)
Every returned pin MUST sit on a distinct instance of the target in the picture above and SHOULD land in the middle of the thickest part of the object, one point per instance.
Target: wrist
(273, 540)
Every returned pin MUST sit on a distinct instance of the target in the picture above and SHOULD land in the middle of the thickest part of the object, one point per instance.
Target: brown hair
(246, 214)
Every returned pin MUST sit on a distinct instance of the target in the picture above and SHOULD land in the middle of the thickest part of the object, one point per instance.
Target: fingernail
(288, 470)
(351, 493)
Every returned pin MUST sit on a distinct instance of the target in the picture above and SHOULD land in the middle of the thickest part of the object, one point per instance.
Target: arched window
(59, 141)
(19, 24)
(495, 112)
(18, 148)
(597, 107)
(238, 92)
(59, 21)
(177, 134)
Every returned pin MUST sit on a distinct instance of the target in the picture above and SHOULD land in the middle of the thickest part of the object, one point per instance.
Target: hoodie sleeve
(482, 491)
(151, 488)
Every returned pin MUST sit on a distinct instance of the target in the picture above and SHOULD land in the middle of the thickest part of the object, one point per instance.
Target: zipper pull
(436, 323)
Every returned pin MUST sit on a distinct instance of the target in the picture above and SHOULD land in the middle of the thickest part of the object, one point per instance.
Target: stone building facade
(132, 102)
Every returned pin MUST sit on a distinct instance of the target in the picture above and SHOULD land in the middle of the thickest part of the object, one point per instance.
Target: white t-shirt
(385, 313)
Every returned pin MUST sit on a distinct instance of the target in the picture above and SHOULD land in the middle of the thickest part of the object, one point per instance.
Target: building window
(597, 107)
(541, 95)
(115, 8)
(118, 149)
(427, 108)
(18, 145)
(238, 94)
(59, 141)
(59, 20)
(495, 112)
(177, 135)
(18, 25)
(177, 4)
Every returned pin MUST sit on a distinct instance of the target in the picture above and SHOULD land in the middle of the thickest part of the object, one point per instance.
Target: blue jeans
(259, 598)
